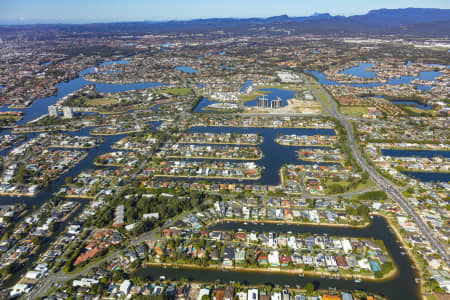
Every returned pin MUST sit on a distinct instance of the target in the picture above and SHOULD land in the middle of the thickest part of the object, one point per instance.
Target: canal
(402, 286)
(274, 154)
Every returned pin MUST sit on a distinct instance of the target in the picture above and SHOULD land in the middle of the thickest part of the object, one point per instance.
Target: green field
(252, 96)
(178, 91)
(100, 101)
(411, 110)
(359, 187)
(353, 111)
(321, 95)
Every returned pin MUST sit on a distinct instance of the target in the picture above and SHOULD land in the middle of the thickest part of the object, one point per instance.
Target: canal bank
(400, 286)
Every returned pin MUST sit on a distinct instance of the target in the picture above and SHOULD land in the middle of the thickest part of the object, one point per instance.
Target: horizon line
(19, 22)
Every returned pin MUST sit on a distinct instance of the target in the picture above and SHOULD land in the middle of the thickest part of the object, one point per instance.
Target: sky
(86, 11)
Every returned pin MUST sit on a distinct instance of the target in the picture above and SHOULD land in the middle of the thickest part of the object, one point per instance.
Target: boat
(301, 275)
(357, 280)
(402, 253)
(162, 278)
(245, 223)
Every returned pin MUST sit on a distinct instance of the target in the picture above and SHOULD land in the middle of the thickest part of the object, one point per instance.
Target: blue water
(415, 153)
(246, 85)
(167, 45)
(226, 67)
(274, 154)
(413, 103)
(47, 63)
(223, 52)
(430, 76)
(203, 103)
(360, 71)
(40, 106)
(274, 93)
(186, 69)
(115, 62)
(201, 85)
(429, 177)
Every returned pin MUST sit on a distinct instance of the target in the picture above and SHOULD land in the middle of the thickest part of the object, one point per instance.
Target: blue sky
(80, 11)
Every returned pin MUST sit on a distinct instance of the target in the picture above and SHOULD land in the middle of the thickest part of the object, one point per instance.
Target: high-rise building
(53, 111)
(67, 112)
(263, 102)
(277, 103)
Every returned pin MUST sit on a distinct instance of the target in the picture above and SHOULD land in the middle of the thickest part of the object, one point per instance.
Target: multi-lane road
(382, 182)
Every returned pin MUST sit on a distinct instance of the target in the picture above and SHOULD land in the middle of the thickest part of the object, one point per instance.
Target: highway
(387, 186)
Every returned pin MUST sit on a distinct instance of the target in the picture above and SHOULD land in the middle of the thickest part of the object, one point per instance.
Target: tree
(336, 188)
(309, 288)
(21, 175)
(68, 180)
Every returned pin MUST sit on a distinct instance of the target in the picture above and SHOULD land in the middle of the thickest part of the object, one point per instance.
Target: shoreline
(208, 177)
(238, 220)
(221, 143)
(406, 248)
(215, 158)
(118, 133)
(269, 127)
(314, 274)
(303, 145)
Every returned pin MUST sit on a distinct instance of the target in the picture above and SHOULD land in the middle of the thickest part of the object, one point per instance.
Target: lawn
(321, 95)
(411, 110)
(100, 101)
(353, 111)
(252, 96)
(178, 91)
(359, 187)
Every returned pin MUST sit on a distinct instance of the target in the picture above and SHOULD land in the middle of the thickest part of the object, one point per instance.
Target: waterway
(273, 94)
(429, 176)
(416, 104)
(361, 72)
(402, 286)
(415, 153)
(246, 85)
(206, 101)
(186, 69)
(40, 106)
(274, 154)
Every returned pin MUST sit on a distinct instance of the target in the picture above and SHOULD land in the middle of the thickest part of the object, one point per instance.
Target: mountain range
(407, 21)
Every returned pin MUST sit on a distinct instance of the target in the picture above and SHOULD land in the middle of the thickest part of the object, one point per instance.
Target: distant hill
(408, 21)
(401, 17)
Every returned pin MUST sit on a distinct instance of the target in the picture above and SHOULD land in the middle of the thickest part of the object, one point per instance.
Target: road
(387, 186)
(390, 189)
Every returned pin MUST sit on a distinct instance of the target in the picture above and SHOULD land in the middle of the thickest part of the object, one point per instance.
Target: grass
(286, 86)
(178, 91)
(353, 111)
(430, 297)
(100, 101)
(411, 110)
(359, 187)
(322, 96)
(252, 96)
